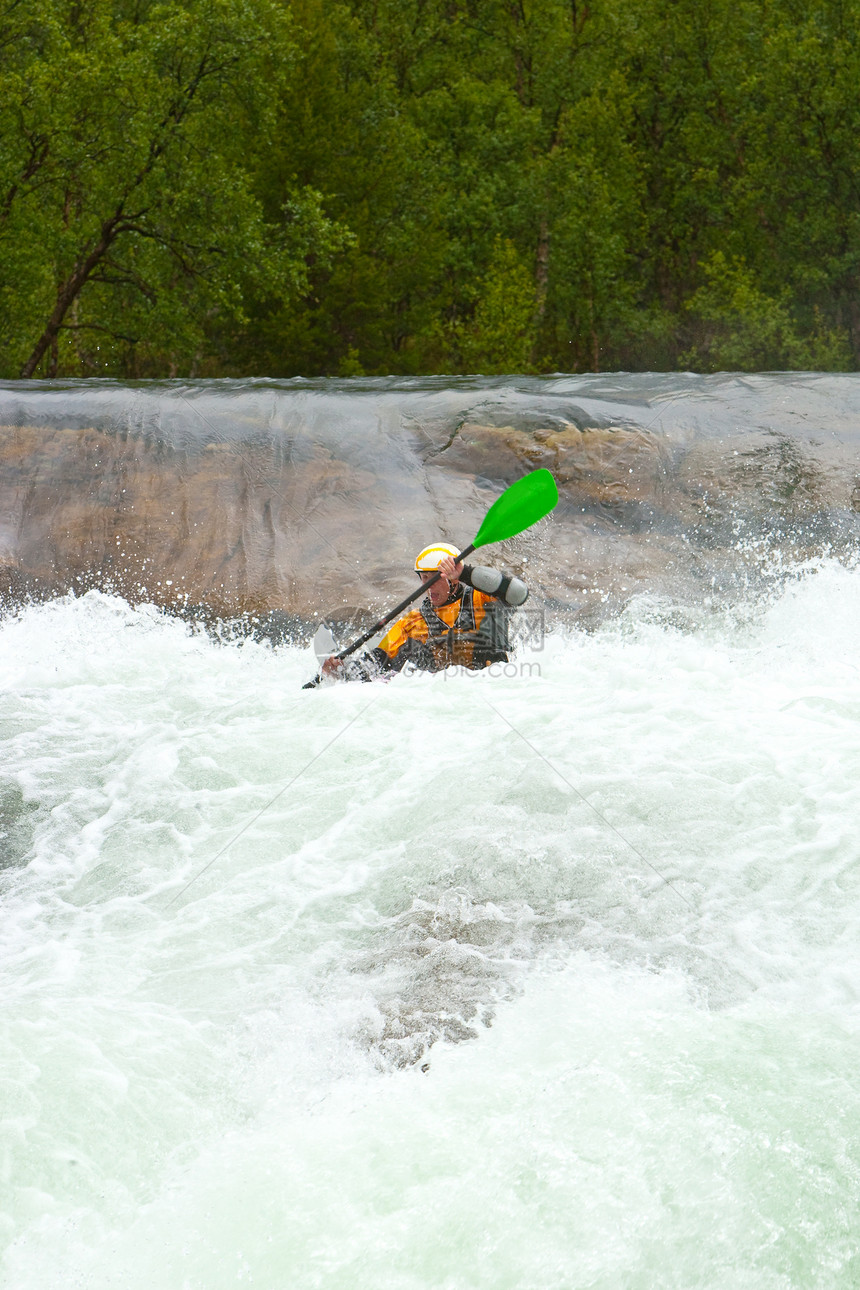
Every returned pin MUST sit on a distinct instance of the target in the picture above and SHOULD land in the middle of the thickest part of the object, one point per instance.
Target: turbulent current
(620, 890)
(541, 979)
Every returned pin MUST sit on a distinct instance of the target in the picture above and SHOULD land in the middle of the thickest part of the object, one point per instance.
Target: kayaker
(463, 620)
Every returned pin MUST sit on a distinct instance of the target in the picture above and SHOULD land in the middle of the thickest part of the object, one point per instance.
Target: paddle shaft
(383, 622)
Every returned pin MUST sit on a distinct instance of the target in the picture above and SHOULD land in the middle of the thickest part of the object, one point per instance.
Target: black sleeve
(367, 666)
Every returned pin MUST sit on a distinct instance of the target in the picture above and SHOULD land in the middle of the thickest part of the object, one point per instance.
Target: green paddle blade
(523, 504)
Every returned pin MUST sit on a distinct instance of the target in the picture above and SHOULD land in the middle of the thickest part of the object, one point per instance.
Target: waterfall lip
(802, 403)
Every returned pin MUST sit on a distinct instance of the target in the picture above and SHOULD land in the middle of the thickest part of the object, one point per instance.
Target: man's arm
(510, 590)
(388, 656)
(364, 668)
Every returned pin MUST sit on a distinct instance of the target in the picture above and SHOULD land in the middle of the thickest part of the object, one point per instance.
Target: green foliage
(128, 217)
(221, 187)
(340, 128)
(744, 329)
(499, 336)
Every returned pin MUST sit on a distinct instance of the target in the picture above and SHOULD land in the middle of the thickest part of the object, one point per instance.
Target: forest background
(264, 187)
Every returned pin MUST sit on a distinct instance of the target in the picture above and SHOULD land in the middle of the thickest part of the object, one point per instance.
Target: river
(543, 980)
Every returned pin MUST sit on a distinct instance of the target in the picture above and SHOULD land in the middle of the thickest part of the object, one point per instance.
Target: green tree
(801, 182)
(127, 217)
(342, 130)
(499, 336)
(742, 328)
(372, 186)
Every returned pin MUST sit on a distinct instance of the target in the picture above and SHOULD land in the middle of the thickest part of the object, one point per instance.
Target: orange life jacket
(452, 632)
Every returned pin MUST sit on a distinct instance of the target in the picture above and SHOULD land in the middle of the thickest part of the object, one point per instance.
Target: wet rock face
(303, 498)
(233, 531)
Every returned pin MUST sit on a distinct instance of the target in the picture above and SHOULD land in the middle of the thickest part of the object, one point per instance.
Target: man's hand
(332, 666)
(449, 569)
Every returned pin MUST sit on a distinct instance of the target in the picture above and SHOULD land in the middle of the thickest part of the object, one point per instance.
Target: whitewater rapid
(549, 979)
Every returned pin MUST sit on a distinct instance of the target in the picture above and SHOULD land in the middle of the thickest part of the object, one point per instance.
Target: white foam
(639, 865)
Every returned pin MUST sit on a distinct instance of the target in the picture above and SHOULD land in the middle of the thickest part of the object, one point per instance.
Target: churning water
(548, 979)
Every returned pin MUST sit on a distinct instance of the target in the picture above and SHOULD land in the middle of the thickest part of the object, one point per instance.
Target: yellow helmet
(427, 561)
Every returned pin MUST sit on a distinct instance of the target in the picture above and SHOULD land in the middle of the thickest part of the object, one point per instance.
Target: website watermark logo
(510, 669)
(527, 629)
